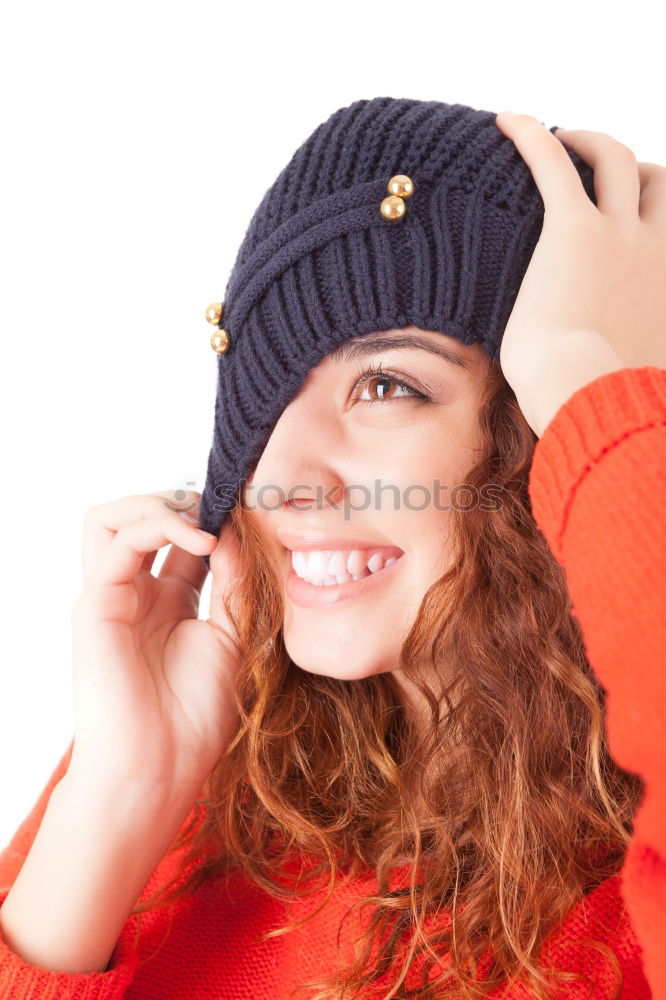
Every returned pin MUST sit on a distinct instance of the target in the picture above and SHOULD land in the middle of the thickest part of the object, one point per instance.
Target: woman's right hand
(152, 683)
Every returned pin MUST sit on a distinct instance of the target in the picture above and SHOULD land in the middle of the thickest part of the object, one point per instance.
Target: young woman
(417, 748)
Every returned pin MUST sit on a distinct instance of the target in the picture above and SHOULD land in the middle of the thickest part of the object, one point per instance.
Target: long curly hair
(526, 809)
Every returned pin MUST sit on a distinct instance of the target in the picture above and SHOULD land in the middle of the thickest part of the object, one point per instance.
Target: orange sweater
(598, 491)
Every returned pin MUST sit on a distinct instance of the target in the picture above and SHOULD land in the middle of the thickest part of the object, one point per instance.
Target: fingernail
(505, 114)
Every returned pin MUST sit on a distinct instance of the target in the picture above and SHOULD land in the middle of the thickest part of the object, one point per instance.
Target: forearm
(596, 489)
(550, 378)
(91, 858)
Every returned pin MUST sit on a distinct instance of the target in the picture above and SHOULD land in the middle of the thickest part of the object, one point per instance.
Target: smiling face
(352, 489)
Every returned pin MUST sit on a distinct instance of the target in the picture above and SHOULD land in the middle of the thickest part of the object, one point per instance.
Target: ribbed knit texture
(598, 491)
(319, 263)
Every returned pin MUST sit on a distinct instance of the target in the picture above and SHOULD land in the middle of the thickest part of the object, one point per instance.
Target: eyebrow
(350, 350)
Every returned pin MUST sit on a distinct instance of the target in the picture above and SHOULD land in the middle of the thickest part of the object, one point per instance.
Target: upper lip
(312, 541)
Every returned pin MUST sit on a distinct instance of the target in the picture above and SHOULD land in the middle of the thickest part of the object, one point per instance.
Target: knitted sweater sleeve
(598, 493)
(21, 981)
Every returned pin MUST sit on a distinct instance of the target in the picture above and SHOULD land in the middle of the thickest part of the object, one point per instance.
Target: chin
(347, 659)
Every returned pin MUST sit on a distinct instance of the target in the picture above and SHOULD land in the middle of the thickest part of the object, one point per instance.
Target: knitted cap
(323, 261)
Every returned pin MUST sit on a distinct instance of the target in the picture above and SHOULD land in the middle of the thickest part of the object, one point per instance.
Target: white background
(137, 138)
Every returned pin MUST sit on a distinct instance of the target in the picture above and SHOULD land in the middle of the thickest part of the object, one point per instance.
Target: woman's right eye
(377, 387)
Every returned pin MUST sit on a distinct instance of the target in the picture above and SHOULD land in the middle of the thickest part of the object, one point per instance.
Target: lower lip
(309, 595)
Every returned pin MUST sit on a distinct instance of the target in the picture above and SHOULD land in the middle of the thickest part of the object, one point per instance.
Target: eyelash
(365, 374)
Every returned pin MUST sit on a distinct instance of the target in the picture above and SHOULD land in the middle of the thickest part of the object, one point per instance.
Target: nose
(300, 467)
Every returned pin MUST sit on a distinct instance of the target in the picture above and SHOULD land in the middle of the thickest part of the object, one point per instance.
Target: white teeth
(375, 562)
(337, 565)
(318, 564)
(356, 563)
(299, 563)
(325, 568)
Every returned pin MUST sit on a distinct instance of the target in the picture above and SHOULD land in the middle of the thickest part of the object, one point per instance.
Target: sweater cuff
(20, 981)
(590, 423)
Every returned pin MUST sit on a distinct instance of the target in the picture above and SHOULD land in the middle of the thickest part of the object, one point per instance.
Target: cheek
(429, 476)
(438, 444)
(421, 474)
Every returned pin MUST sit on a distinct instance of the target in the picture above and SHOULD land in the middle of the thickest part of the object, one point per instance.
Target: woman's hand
(152, 683)
(593, 299)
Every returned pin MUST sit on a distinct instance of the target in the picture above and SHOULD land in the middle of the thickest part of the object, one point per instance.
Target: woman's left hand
(593, 299)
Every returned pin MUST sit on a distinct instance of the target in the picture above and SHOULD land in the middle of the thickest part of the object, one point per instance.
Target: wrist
(122, 798)
(548, 379)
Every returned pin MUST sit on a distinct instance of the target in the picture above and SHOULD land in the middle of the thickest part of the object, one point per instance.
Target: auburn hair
(528, 810)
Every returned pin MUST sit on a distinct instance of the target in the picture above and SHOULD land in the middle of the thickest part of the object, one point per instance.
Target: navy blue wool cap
(320, 263)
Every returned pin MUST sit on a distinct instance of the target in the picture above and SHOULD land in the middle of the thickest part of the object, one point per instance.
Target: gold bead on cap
(399, 187)
(219, 341)
(214, 312)
(392, 207)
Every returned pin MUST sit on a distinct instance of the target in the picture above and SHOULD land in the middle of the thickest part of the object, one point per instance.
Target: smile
(321, 577)
(326, 567)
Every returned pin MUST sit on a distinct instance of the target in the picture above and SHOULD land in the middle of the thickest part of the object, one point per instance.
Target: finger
(652, 205)
(554, 174)
(104, 520)
(185, 566)
(121, 560)
(616, 180)
(147, 561)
